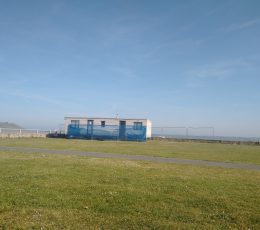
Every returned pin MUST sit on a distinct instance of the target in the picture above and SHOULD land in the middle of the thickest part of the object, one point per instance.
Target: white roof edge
(106, 118)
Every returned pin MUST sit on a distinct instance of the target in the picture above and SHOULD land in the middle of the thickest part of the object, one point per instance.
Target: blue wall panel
(109, 132)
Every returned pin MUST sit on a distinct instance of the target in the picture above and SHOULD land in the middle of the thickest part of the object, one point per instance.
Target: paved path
(134, 157)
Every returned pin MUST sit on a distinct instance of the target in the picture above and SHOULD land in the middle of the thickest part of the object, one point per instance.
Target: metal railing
(176, 132)
(196, 133)
(24, 131)
(183, 132)
(108, 132)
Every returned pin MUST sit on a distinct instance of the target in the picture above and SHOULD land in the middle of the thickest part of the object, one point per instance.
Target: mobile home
(108, 128)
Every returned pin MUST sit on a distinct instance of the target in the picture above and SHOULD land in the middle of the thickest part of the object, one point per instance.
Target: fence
(108, 132)
(197, 133)
(183, 132)
(129, 133)
(13, 133)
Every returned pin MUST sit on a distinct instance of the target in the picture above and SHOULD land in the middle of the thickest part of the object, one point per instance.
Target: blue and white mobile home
(108, 128)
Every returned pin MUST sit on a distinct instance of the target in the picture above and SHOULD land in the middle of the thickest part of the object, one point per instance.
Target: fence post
(187, 132)
(20, 131)
(162, 131)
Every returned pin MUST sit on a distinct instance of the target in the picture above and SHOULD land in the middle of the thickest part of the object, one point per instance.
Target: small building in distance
(108, 128)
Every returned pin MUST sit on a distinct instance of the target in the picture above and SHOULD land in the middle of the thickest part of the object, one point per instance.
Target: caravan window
(75, 123)
(138, 125)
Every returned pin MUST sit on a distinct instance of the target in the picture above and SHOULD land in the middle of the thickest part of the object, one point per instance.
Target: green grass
(188, 150)
(41, 191)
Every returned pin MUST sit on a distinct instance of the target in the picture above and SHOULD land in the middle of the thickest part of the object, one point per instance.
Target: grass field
(42, 191)
(187, 150)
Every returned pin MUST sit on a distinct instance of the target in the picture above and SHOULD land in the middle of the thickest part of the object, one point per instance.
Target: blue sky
(179, 63)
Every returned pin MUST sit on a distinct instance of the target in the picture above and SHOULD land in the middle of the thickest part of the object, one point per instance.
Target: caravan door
(122, 130)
